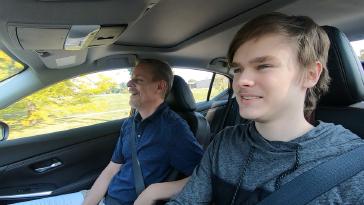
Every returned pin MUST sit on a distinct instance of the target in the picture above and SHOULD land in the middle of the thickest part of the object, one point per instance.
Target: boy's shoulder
(232, 134)
(349, 192)
(334, 130)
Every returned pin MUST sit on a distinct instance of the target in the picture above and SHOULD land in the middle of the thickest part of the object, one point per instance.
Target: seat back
(343, 104)
(232, 117)
(181, 100)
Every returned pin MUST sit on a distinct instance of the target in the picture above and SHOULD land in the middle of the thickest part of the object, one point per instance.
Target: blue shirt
(164, 140)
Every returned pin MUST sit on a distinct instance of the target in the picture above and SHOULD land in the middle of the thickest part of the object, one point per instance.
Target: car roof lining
(209, 40)
(167, 25)
(195, 47)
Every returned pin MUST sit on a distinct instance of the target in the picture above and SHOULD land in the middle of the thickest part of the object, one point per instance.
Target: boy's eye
(236, 70)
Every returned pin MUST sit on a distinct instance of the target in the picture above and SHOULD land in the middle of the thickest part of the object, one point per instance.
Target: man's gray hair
(161, 71)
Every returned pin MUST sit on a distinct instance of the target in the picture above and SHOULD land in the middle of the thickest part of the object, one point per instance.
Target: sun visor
(75, 37)
(60, 59)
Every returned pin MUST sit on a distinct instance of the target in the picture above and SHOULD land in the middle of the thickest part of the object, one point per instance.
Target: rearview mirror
(4, 131)
(220, 62)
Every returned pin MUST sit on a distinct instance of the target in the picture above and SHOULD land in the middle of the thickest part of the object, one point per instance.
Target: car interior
(181, 100)
(56, 40)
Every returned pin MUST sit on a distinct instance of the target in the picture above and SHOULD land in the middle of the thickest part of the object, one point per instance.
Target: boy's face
(266, 79)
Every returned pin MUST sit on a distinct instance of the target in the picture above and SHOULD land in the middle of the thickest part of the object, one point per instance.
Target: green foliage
(79, 102)
(63, 99)
(361, 57)
(221, 83)
(8, 67)
(200, 94)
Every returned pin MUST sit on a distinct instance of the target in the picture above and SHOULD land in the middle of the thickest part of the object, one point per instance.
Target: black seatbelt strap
(227, 109)
(315, 182)
(137, 171)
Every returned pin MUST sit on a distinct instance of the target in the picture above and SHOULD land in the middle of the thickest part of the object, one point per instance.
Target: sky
(357, 46)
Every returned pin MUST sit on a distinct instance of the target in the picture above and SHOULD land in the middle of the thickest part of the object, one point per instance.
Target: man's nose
(130, 83)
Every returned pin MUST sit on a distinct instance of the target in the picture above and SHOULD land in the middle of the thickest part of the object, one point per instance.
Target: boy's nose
(246, 78)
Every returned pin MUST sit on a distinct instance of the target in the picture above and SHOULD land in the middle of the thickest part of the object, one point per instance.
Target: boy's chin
(248, 115)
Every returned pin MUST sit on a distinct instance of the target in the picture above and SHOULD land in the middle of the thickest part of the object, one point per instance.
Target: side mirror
(4, 131)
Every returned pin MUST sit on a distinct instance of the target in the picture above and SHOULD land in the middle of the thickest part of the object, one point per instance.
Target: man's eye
(264, 66)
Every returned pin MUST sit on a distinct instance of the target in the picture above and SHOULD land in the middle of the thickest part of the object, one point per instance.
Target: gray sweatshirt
(240, 157)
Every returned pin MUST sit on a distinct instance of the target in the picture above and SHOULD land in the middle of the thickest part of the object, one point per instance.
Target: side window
(220, 84)
(200, 81)
(78, 102)
(358, 47)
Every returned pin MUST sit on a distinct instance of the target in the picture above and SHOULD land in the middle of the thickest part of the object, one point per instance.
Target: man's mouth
(133, 92)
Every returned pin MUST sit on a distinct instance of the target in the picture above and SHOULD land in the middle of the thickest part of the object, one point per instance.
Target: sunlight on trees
(361, 57)
(62, 99)
(8, 67)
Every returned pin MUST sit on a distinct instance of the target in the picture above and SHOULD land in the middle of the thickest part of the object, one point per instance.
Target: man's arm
(101, 184)
(160, 191)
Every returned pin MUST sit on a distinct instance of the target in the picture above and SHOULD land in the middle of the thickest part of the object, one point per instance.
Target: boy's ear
(313, 73)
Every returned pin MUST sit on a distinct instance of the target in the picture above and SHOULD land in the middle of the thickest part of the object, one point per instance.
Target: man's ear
(162, 85)
(313, 73)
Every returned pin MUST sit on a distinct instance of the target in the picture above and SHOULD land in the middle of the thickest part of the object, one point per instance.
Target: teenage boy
(279, 65)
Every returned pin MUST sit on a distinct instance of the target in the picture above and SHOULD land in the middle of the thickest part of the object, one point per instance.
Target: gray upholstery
(345, 69)
(181, 100)
(347, 86)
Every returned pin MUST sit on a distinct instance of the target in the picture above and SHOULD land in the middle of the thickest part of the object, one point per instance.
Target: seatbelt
(315, 182)
(222, 122)
(137, 171)
(227, 109)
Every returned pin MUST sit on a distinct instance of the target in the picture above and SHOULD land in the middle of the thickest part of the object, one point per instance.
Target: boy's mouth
(250, 97)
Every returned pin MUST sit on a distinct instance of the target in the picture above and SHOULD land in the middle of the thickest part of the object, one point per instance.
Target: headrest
(180, 99)
(345, 70)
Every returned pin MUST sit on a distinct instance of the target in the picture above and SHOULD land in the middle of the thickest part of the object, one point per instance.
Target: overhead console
(74, 37)
(63, 46)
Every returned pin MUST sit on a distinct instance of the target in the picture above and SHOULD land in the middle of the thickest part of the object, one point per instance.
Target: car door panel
(61, 162)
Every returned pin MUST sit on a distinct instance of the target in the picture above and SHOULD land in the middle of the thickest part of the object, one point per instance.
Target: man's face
(266, 80)
(143, 90)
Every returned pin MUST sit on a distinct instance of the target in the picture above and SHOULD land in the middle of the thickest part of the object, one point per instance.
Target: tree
(8, 67)
(361, 57)
(220, 83)
(59, 100)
